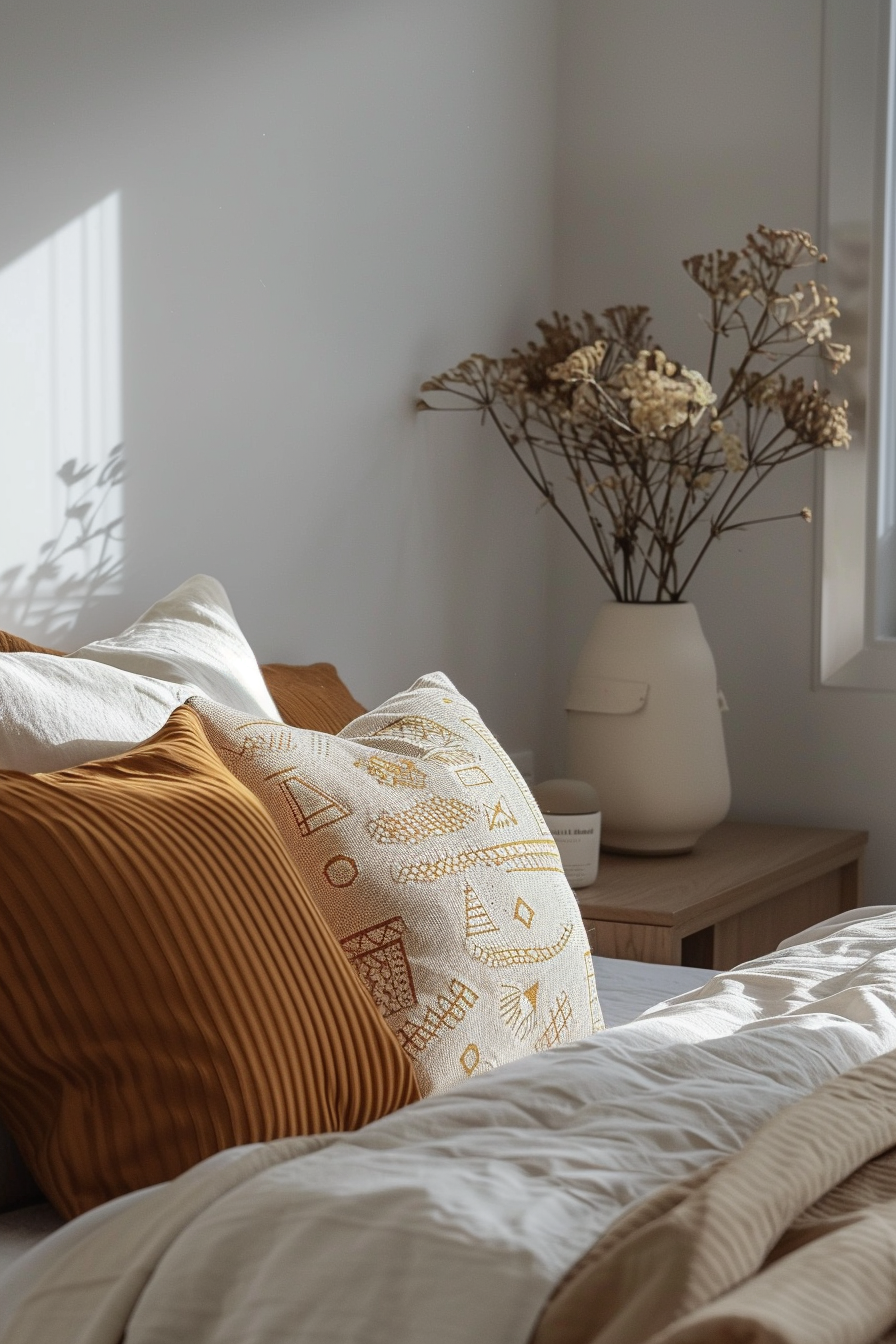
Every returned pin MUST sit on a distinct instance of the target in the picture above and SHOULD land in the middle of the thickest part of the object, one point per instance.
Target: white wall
(681, 126)
(321, 203)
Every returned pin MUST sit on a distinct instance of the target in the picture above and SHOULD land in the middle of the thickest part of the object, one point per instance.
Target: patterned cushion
(190, 638)
(432, 864)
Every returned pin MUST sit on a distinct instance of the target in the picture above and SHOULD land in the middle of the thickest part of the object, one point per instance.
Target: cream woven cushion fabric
(432, 864)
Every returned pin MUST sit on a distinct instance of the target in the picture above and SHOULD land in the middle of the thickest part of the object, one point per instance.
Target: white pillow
(191, 638)
(58, 712)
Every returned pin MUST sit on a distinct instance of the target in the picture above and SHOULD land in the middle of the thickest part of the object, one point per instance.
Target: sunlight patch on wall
(61, 463)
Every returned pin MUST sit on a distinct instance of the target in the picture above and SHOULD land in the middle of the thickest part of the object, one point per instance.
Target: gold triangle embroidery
(500, 815)
(312, 808)
(532, 995)
(517, 1010)
(479, 921)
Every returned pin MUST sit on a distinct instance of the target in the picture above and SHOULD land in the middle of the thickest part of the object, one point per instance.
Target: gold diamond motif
(524, 913)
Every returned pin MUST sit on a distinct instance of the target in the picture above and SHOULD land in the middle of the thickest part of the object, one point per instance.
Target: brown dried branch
(651, 449)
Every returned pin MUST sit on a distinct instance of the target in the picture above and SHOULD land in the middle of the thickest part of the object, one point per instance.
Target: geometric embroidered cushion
(432, 864)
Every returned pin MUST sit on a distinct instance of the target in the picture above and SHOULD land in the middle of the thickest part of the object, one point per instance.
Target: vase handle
(604, 695)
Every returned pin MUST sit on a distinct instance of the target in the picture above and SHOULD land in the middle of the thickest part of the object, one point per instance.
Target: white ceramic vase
(645, 727)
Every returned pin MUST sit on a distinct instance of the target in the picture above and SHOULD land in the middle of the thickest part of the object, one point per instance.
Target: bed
(512, 1202)
(628, 988)
(457, 1218)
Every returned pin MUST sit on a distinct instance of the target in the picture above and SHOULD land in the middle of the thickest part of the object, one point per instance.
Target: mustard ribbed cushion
(167, 986)
(15, 644)
(313, 696)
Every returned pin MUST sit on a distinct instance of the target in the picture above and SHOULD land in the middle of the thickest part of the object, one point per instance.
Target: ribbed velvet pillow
(15, 644)
(313, 696)
(167, 986)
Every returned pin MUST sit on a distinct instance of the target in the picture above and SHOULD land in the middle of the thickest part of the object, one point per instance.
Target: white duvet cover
(452, 1220)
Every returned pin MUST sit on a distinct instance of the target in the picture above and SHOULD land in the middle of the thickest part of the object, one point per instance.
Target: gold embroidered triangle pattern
(517, 1008)
(312, 808)
(500, 815)
(479, 921)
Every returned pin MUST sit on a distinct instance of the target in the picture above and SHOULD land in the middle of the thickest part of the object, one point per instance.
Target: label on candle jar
(578, 840)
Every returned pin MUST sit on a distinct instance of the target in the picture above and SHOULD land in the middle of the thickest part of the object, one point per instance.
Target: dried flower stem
(650, 450)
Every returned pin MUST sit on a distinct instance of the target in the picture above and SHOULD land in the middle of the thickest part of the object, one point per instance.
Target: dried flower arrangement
(652, 450)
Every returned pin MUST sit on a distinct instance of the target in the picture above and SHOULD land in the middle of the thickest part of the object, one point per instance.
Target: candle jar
(571, 811)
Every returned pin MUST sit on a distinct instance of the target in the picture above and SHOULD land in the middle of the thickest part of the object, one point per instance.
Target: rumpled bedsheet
(455, 1219)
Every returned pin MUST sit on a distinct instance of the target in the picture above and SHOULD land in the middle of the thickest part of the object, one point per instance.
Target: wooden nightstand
(741, 891)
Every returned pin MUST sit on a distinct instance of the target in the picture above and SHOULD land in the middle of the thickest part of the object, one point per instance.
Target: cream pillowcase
(191, 638)
(59, 712)
(431, 862)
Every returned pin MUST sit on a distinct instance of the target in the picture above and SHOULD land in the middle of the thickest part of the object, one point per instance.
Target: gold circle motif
(341, 871)
(470, 1059)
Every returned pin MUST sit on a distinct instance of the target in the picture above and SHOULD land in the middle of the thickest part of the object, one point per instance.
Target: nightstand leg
(852, 883)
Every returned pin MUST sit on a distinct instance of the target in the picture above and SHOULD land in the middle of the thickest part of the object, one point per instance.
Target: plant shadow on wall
(62, 540)
(79, 566)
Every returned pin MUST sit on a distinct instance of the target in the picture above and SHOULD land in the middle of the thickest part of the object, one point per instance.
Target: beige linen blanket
(790, 1241)
(454, 1220)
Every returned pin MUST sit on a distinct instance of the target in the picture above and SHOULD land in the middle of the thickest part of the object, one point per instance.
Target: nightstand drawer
(743, 889)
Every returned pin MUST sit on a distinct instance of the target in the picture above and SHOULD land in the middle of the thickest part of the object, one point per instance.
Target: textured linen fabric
(61, 712)
(789, 1241)
(168, 988)
(311, 696)
(455, 1220)
(190, 638)
(816, 932)
(432, 864)
(627, 988)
